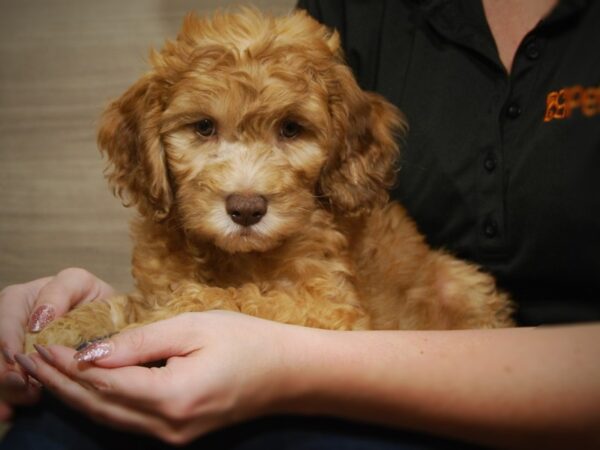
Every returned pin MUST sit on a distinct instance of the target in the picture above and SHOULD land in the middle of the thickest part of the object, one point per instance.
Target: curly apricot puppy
(260, 171)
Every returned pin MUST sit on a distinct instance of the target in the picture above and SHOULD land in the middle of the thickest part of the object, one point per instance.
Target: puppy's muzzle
(246, 210)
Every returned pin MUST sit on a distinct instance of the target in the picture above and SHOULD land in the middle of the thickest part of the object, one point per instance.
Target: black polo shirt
(499, 169)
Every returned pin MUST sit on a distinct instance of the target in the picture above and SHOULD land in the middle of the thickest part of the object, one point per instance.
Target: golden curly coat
(260, 171)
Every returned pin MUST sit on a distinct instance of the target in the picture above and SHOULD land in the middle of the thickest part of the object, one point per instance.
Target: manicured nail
(14, 381)
(44, 353)
(7, 356)
(26, 363)
(94, 352)
(42, 316)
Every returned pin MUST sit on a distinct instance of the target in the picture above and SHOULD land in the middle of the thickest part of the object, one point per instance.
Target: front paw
(59, 332)
(92, 341)
(81, 325)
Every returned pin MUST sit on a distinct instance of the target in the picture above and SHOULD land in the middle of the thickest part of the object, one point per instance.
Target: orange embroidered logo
(561, 104)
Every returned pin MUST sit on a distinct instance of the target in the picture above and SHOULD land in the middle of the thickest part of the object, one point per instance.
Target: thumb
(67, 289)
(144, 344)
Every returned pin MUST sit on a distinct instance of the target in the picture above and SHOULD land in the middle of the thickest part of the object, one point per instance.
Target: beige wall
(61, 61)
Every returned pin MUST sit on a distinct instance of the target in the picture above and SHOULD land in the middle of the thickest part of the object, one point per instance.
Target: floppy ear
(362, 166)
(129, 136)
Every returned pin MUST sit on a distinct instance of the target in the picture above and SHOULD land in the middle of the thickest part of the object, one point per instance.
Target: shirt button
(513, 111)
(490, 163)
(490, 228)
(532, 50)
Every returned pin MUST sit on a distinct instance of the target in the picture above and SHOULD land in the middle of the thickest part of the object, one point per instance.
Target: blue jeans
(53, 426)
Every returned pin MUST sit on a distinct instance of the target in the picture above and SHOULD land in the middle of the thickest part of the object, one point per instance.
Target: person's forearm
(507, 387)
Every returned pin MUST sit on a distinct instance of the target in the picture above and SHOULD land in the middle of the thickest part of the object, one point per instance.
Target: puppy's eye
(205, 128)
(290, 129)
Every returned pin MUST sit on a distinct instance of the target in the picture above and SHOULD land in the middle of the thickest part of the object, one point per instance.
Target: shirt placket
(491, 221)
(511, 107)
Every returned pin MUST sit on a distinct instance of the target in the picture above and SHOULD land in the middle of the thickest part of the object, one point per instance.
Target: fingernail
(26, 363)
(14, 381)
(7, 356)
(44, 353)
(42, 316)
(94, 352)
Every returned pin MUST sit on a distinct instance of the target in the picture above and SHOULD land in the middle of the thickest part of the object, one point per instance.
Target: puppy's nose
(246, 210)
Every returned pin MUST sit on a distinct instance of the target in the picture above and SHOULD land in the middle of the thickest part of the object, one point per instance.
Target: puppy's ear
(129, 135)
(362, 167)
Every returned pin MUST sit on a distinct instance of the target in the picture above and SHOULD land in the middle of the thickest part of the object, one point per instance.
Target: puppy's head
(245, 125)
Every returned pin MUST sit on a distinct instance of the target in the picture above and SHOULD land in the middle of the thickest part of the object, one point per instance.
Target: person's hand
(29, 307)
(221, 368)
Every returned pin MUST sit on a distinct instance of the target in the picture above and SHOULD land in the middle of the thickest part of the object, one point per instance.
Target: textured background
(61, 63)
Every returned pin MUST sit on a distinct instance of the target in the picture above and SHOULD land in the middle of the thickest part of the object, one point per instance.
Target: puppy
(260, 172)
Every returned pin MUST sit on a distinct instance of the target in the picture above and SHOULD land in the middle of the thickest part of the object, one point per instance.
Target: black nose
(246, 210)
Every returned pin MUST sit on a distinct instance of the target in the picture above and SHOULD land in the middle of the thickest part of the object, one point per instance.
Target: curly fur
(331, 250)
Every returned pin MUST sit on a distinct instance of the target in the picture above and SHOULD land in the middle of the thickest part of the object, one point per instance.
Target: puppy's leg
(84, 323)
(452, 294)
(332, 308)
(407, 285)
(339, 310)
(105, 317)
(187, 297)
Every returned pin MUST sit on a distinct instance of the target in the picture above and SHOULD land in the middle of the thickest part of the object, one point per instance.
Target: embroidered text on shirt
(561, 104)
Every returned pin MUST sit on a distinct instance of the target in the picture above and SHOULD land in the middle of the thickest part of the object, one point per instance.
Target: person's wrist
(300, 371)
(277, 375)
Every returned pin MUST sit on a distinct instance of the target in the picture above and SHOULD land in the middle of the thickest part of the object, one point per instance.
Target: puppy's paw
(63, 331)
(93, 340)
(55, 336)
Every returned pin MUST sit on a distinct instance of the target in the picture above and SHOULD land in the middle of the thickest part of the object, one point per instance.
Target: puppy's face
(246, 125)
(245, 138)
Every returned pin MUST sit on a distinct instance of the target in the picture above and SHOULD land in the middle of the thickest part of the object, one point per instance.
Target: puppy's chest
(265, 271)
(319, 256)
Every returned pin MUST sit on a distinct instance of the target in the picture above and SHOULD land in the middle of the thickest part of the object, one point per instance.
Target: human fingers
(122, 353)
(204, 385)
(68, 288)
(101, 408)
(16, 303)
(123, 384)
(156, 341)
(161, 390)
(17, 389)
(46, 297)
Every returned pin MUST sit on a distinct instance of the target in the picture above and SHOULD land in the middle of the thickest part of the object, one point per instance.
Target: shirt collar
(463, 22)
(451, 11)
(565, 10)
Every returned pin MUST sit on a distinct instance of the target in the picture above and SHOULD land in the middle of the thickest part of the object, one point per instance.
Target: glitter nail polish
(42, 316)
(94, 352)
